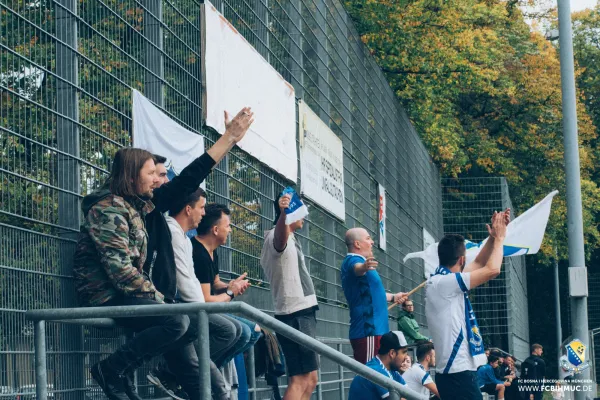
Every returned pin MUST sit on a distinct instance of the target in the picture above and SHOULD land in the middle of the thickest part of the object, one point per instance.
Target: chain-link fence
(594, 316)
(67, 68)
(501, 304)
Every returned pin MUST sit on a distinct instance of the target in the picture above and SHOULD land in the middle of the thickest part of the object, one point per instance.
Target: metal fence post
(69, 179)
(154, 51)
(41, 383)
(294, 26)
(251, 375)
(322, 61)
(394, 395)
(319, 382)
(204, 354)
(342, 388)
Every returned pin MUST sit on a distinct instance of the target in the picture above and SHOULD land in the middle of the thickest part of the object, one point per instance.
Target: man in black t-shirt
(213, 232)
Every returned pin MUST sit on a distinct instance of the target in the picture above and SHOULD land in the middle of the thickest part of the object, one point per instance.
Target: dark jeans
(225, 333)
(167, 335)
(458, 386)
(248, 337)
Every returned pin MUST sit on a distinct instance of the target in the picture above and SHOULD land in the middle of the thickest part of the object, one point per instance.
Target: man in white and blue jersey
(393, 350)
(450, 317)
(365, 295)
(418, 377)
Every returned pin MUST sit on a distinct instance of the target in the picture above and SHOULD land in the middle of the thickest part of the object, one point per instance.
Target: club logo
(574, 359)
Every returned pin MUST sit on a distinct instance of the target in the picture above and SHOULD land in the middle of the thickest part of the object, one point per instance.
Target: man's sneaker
(171, 388)
(129, 383)
(110, 382)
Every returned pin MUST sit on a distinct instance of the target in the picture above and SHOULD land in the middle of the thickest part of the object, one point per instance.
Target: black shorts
(458, 386)
(298, 359)
(490, 389)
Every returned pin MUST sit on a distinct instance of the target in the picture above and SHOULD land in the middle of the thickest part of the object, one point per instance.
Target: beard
(146, 195)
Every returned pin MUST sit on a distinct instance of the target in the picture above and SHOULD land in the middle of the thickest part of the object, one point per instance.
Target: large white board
(236, 76)
(321, 162)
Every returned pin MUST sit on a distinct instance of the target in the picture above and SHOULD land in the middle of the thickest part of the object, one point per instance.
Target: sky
(578, 5)
(541, 5)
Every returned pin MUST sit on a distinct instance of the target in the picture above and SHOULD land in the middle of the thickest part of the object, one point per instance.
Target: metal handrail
(39, 317)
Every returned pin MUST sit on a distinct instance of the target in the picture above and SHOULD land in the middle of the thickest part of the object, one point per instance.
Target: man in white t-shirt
(417, 377)
(450, 317)
(185, 215)
(294, 299)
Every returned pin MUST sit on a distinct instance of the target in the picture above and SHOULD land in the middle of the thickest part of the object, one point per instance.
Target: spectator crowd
(134, 249)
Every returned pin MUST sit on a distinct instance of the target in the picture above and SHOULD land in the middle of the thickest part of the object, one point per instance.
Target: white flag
(524, 235)
(154, 131)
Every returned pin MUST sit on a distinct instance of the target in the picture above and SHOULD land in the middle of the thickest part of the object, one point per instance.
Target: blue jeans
(247, 339)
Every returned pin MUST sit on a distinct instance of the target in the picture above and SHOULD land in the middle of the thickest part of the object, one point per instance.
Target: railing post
(394, 395)
(204, 354)
(319, 382)
(251, 373)
(41, 383)
(341, 375)
(153, 33)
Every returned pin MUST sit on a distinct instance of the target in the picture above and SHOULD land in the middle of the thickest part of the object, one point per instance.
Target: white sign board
(382, 219)
(236, 76)
(156, 132)
(321, 163)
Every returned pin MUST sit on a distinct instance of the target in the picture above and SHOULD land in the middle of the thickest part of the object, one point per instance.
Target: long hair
(125, 172)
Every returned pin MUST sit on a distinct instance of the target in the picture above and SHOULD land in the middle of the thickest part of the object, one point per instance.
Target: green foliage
(483, 92)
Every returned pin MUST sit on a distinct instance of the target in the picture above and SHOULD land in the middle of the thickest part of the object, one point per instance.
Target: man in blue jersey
(393, 350)
(365, 295)
(488, 383)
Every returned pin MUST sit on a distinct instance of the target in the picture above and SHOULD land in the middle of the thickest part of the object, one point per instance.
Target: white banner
(524, 236)
(428, 240)
(382, 223)
(321, 163)
(154, 131)
(236, 76)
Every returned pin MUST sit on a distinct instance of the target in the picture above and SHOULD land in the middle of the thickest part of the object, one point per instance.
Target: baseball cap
(393, 340)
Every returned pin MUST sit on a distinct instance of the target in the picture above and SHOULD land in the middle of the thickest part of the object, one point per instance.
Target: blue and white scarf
(473, 334)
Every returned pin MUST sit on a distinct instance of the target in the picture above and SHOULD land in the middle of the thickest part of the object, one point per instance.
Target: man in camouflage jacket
(110, 255)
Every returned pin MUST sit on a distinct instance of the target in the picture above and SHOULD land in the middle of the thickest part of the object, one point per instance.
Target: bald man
(366, 295)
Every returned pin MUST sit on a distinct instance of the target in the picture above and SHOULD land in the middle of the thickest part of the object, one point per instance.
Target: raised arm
(282, 231)
(494, 246)
(194, 174)
(234, 132)
(484, 255)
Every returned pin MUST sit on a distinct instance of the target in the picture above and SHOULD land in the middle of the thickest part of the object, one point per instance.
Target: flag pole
(409, 294)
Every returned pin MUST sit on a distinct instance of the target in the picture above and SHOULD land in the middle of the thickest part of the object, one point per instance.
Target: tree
(483, 92)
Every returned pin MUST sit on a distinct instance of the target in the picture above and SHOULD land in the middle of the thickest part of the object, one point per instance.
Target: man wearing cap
(451, 319)
(393, 349)
(294, 298)
(366, 296)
